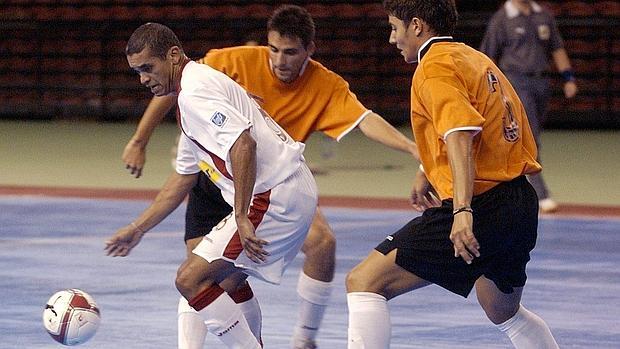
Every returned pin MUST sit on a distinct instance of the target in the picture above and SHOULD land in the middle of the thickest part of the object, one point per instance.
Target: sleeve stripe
(464, 128)
(354, 125)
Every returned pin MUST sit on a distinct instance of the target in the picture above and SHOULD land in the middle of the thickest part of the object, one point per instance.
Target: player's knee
(357, 280)
(321, 242)
(326, 246)
(184, 280)
(499, 312)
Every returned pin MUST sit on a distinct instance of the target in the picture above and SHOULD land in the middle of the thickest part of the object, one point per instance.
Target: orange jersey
(458, 88)
(318, 100)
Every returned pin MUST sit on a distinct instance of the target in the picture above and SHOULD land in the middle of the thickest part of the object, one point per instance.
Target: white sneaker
(547, 205)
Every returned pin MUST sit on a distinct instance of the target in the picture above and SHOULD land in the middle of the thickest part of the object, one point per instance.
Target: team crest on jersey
(511, 126)
(492, 81)
(544, 33)
(218, 119)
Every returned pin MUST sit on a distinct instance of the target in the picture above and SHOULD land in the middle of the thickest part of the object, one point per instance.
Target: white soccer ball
(71, 317)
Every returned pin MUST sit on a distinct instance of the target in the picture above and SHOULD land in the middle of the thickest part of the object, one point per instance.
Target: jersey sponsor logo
(218, 119)
(279, 131)
(492, 81)
(222, 223)
(511, 126)
(213, 175)
(219, 334)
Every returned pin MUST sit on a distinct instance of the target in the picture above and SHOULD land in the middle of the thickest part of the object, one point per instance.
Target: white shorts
(281, 216)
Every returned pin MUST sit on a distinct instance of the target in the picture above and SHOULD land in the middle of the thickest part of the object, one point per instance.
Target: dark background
(64, 59)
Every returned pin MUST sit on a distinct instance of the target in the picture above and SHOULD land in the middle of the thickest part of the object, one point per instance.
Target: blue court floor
(48, 244)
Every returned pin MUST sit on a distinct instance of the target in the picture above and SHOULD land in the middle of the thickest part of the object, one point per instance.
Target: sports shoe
(306, 344)
(547, 205)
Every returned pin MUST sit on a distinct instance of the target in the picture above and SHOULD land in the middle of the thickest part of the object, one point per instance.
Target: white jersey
(214, 111)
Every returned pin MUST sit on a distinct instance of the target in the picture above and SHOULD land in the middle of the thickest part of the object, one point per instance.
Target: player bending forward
(476, 147)
(259, 169)
(303, 97)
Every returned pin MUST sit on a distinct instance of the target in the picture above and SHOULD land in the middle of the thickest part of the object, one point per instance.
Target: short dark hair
(440, 15)
(154, 36)
(293, 21)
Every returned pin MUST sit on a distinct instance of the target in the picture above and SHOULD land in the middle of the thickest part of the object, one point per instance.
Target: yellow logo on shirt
(213, 175)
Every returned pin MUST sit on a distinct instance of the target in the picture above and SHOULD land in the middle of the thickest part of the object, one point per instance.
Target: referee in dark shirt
(520, 38)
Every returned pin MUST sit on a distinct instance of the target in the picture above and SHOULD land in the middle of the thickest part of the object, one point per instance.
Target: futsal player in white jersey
(258, 167)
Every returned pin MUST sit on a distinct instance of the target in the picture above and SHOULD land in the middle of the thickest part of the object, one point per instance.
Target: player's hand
(462, 236)
(423, 194)
(252, 245)
(570, 89)
(134, 157)
(125, 239)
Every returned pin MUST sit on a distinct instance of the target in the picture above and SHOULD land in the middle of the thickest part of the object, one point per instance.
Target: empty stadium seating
(62, 57)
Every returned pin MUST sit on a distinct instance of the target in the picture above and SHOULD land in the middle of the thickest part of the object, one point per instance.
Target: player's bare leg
(369, 286)
(314, 285)
(524, 328)
(192, 329)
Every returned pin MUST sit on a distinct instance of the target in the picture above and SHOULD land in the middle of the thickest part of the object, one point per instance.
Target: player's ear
(175, 54)
(311, 48)
(416, 26)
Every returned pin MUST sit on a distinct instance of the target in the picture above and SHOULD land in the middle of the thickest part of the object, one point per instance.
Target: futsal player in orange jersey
(476, 147)
(302, 96)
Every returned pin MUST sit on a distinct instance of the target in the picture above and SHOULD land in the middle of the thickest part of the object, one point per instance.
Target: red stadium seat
(347, 11)
(608, 8)
(319, 11)
(578, 8)
(554, 7)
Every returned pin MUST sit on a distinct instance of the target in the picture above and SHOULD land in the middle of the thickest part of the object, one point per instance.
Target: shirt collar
(512, 10)
(427, 45)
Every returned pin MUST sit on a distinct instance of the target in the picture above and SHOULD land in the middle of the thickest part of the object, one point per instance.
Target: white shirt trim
(464, 128)
(512, 10)
(366, 113)
(427, 42)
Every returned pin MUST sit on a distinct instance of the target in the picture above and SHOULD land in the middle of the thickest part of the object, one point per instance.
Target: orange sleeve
(342, 112)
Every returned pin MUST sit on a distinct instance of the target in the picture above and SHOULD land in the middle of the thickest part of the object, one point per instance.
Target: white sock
(314, 296)
(252, 313)
(527, 330)
(224, 318)
(369, 321)
(192, 330)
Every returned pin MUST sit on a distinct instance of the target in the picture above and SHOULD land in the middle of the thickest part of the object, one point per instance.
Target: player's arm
(376, 128)
(243, 163)
(562, 63)
(134, 154)
(170, 196)
(459, 145)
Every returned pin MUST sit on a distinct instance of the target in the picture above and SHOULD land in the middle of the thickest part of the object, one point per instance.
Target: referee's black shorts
(505, 225)
(205, 208)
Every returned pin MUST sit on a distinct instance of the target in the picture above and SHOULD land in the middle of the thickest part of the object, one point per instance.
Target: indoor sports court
(55, 220)
(68, 107)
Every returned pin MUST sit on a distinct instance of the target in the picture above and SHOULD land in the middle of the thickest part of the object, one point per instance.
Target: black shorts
(205, 208)
(505, 225)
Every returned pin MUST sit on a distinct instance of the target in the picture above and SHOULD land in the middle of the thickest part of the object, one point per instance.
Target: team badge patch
(218, 119)
(544, 32)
